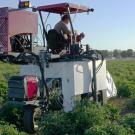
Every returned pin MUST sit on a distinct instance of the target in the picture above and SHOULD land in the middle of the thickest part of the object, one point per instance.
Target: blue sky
(111, 26)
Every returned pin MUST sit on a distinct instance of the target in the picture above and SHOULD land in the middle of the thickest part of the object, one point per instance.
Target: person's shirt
(61, 28)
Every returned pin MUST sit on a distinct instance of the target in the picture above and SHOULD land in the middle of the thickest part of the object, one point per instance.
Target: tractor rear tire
(29, 122)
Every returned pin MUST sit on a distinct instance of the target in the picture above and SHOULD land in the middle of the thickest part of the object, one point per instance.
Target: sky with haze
(111, 26)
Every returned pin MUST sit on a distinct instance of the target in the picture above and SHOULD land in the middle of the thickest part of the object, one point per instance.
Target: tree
(130, 53)
(105, 53)
(116, 53)
(124, 54)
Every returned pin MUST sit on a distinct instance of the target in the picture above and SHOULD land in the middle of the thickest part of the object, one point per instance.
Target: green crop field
(122, 70)
(123, 73)
(6, 70)
(115, 118)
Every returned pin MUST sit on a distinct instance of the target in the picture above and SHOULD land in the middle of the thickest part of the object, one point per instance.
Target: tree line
(129, 53)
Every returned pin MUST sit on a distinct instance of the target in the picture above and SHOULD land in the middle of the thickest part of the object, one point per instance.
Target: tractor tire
(29, 121)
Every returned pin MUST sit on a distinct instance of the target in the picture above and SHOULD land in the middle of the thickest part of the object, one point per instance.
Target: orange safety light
(24, 4)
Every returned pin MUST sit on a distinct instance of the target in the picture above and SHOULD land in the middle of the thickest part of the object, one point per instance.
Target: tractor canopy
(62, 8)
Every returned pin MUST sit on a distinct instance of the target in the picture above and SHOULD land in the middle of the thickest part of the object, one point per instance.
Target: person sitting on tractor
(61, 26)
(60, 37)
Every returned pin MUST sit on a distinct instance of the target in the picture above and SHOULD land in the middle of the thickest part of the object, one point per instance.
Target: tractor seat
(56, 42)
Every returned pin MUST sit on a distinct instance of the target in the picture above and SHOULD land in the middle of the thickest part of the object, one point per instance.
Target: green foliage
(131, 104)
(110, 129)
(117, 129)
(85, 119)
(6, 70)
(87, 115)
(96, 130)
(127, 89)
(57, 124)
(56, 100)
(3, 92)
(12, 114)
(7, 129)
(112, 113)
(129, 121)
(124, 76)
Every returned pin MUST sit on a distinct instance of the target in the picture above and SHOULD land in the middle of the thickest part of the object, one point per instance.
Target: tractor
(81, 71)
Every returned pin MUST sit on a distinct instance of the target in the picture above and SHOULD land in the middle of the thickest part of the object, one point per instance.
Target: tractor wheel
(31, 117)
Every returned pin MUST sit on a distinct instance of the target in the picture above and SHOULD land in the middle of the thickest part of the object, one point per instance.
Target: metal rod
(44, 31)
(47, 18)
(31, 42)
(71, 24)
(42, 69)
(94, 81)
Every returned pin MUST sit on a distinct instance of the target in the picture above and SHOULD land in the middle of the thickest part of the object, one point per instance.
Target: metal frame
(71, 24)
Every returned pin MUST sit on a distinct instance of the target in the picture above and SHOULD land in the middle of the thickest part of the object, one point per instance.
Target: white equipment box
(76, 78)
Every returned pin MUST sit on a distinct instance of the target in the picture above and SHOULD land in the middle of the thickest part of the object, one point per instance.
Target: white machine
(76, 78)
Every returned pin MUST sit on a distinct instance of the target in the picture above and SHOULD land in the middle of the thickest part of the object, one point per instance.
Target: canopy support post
(44, 31)
(71, 24)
